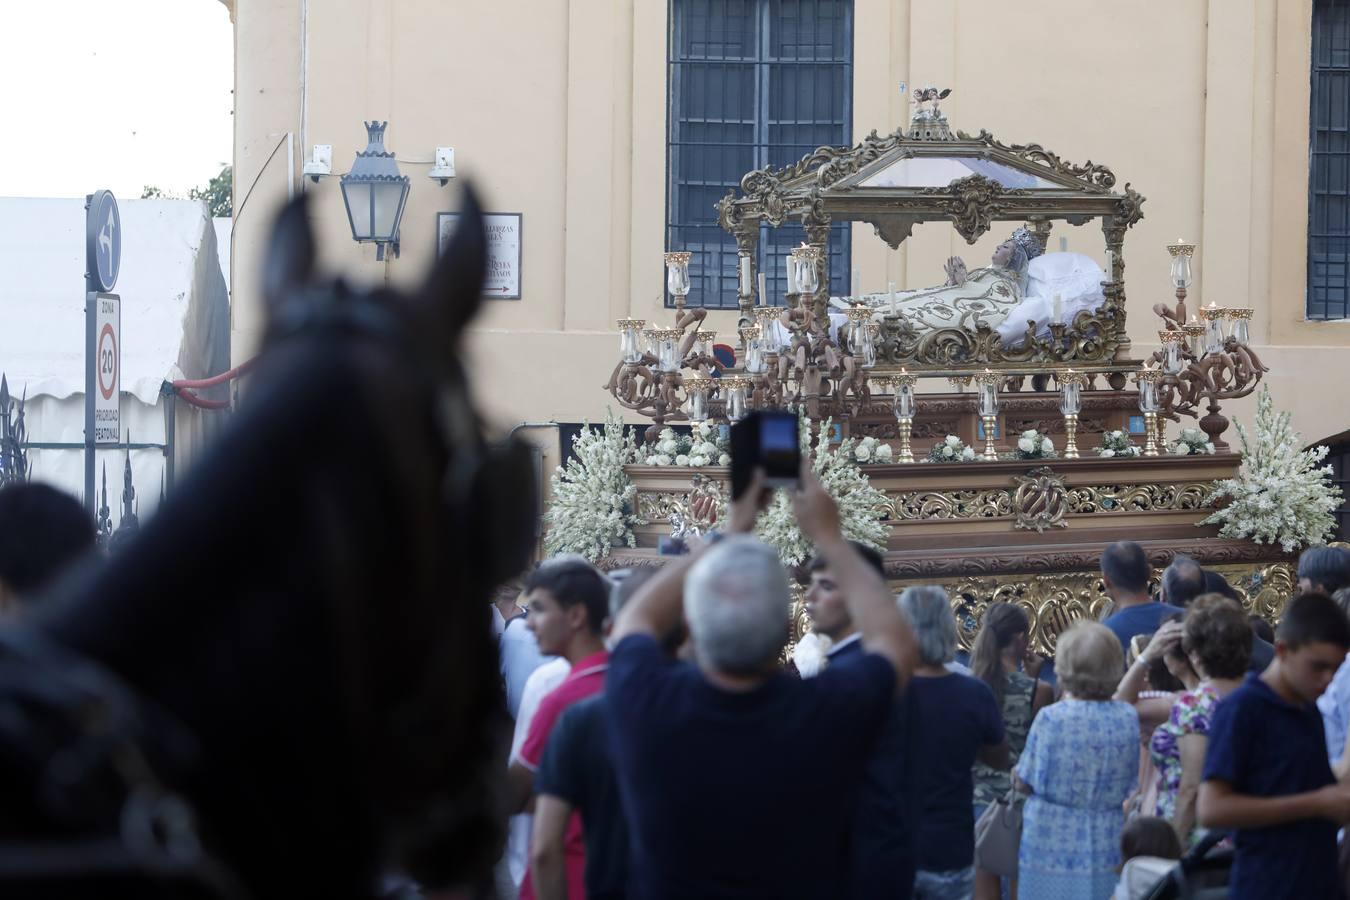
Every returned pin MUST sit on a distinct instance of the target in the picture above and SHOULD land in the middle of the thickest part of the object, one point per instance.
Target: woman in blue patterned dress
(1080, 763)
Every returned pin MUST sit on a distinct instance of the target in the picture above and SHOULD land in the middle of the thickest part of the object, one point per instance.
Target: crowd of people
(665, 749)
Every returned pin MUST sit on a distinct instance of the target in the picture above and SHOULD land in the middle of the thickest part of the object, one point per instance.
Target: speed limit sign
(107, 369)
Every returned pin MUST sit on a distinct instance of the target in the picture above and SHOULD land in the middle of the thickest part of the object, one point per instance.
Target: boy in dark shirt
(1266, 774)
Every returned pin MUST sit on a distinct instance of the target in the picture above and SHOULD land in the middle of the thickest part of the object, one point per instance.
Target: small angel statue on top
(929, 94)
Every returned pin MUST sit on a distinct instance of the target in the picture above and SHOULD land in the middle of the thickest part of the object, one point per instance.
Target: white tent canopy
(175, 324)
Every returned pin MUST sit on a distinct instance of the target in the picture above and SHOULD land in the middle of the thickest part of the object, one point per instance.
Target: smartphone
(766, 439)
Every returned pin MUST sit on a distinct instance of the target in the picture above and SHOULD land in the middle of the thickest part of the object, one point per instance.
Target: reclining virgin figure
(1016, 289)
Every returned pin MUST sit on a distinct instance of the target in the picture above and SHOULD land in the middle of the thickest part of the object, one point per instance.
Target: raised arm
(885, 631)
(1133, 682)
(1193, 748)
(1219, 806)
(658, 606)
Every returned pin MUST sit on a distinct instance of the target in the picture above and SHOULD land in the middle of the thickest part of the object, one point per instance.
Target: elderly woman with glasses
(1080, 762)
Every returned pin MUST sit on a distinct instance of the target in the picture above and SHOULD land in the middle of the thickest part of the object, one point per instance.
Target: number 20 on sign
(108, 370)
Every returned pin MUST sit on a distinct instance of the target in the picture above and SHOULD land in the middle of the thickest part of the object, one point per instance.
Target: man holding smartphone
(708, 758)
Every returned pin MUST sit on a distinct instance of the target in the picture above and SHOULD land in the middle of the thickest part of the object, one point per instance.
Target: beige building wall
(557, 110)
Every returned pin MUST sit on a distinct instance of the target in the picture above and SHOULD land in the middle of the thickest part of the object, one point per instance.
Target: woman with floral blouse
(1217, 640)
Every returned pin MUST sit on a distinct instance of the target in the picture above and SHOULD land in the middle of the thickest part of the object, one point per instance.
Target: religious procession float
(992, 434)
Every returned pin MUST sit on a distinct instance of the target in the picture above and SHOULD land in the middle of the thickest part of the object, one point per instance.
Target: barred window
(1329, 176)
(752, 83)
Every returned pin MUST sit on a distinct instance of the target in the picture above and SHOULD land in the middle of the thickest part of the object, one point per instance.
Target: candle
(791, 275)
(763, 296)
(1110, 265)
(745, 275)
(1058, 308)
(890, 287)
(857, 284)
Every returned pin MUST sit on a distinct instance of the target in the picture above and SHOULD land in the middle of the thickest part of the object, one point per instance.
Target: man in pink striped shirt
(568, 603)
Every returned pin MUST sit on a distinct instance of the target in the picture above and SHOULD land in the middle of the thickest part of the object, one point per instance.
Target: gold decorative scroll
(1054, 602)
(995, 503)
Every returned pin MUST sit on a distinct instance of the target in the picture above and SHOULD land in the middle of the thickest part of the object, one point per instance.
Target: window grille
(752, 83)
(1329, 174)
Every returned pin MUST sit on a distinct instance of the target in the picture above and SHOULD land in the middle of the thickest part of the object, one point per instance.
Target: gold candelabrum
(787, 357)
(1147, 379)
(902, 386)
(987, 383)
(1201, 364)
(1071, 386)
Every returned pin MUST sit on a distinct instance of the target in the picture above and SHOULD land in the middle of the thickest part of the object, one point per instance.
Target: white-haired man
(709, 758)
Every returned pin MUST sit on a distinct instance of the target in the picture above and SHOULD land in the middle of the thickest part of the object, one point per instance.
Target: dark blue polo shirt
(882, 843)
(740, 794)
(1142, 619)
(576, 768)
(957, 716)
(1264, 747)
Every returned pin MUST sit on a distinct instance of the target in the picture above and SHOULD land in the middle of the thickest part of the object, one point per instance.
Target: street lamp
(375, 193)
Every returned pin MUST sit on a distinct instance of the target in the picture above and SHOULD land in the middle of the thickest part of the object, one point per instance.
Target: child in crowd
(1148, 849)
(1266, 773)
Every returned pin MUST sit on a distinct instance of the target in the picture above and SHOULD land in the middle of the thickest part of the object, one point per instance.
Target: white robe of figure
(995, 296)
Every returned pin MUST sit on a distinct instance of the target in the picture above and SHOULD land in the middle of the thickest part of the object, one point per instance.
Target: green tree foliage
(218, 193)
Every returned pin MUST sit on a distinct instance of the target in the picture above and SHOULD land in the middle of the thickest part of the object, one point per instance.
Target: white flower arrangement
(591, 510)
(810, 654)
(703, 446)
(1031, 444)
(951, 449)
(1281, 494)
(861, 506)
(1191, 442)
(1118, 444)
(871, 450)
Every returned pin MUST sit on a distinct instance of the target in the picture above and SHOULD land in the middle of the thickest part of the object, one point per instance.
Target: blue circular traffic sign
(103, 239)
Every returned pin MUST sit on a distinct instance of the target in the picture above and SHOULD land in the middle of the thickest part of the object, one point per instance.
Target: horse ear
(454, 289)
(290, 253)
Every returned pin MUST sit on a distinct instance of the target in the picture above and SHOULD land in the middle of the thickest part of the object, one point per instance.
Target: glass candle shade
(703, 343)
(1214, 318)
(903, 385)
(1171, 351)
(736, 389)
(668, 350)
(677, 272)
(768, 328)
(987, 384)
(870, 333)
(753, 360)
(1071, 392)
(1240, 320)
(1181, 263)
(1148, 389)
(805, 258)
(696, 390)
(860, 340)
(1194, 332)
(630, 339)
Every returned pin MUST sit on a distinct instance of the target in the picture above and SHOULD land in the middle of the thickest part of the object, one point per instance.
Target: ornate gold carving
(1054, 602)
(1099, 176)
(1039, 500)
(989, 504)
(1092, 337)
(1138, 497)
(996, 503)
(975, 202)
(676, 507)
